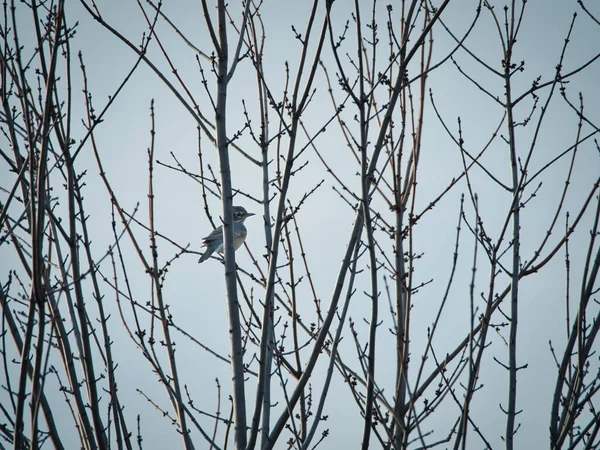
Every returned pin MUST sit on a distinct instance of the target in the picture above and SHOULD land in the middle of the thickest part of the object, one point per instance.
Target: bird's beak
(250, 214)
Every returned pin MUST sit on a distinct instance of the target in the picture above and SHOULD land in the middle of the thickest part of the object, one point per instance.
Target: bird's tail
(205, 255)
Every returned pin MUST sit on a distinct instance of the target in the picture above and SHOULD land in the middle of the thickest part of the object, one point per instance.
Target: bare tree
(436, 140)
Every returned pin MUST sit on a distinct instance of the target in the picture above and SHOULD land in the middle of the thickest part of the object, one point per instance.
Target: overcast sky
(196, 293)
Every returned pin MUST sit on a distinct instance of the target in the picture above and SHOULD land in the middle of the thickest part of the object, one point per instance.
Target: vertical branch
(65, 349)
(365, 204)
(402, 291)
(473, 368)
(515, 269)
(237, 357)
(263, 392)
(38, 212)
(157, 275)
(295, 318)
(87, 360)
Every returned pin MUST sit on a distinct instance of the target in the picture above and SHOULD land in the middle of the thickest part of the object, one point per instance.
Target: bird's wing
(216, 234)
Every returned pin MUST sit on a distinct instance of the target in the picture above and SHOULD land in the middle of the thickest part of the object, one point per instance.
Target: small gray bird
(214, 241)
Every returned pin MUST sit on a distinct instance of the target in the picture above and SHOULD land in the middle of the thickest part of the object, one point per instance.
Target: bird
(214, 241)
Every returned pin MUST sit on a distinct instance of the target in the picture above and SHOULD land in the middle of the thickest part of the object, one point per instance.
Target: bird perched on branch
(214, 241)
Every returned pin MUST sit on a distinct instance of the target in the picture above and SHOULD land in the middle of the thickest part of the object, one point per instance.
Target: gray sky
(196, 293)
